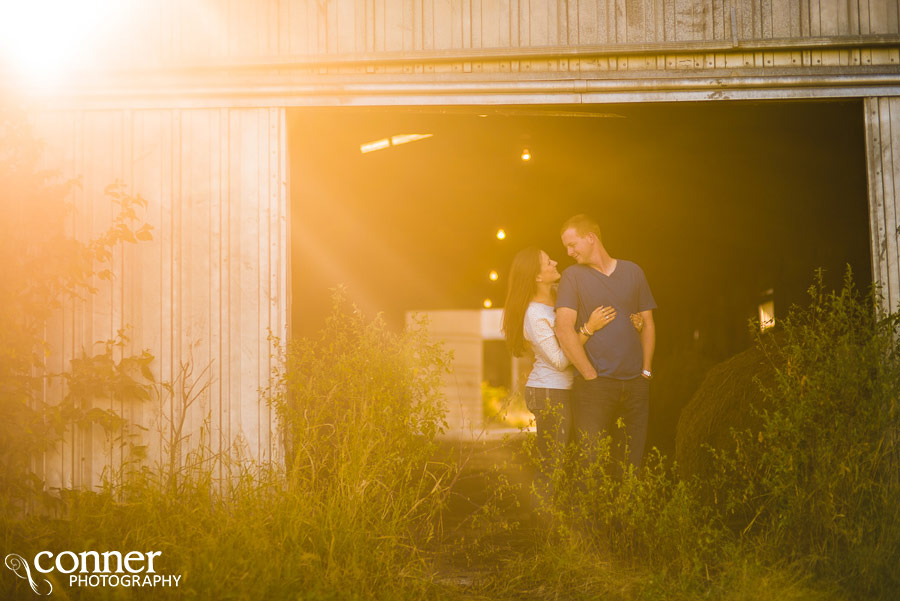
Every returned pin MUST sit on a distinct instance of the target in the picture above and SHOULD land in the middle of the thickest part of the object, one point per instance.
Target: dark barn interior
(724, 205)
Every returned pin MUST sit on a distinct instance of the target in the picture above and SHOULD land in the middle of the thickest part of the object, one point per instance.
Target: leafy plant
(819, 482)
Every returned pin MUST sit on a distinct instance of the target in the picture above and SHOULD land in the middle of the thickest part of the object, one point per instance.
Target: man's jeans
(598, 403)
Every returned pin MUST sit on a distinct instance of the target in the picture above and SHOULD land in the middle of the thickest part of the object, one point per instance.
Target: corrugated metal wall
(206, 290)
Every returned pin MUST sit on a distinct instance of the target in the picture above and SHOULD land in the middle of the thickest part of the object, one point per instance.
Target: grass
(371, 504)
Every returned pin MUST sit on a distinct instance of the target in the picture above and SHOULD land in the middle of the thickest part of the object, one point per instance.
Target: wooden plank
(879, 16)
(247, 186)
(342, 26)
(556, 22)
(570, 9)
(590, 28)
(892, 189)
(466, 24)
(877, 191)
(490, 19)
(853, 17)
(765, 19)
(393, 25)
(892, 18)
(441, 17)
(782, 19)
(670, 21)
(477, 23)
(804, 18)
(865, 26)
(634, 21)
(456, 23)
(619, 21)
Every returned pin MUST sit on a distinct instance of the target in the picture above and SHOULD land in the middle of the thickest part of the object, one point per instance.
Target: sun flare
(43, 40)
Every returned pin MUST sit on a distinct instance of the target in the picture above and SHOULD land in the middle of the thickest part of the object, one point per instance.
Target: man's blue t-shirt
(615, 350)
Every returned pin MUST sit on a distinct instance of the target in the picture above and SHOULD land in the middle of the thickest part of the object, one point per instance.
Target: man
(614, 366)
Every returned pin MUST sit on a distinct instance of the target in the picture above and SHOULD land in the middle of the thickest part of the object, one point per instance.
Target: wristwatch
(646, 373)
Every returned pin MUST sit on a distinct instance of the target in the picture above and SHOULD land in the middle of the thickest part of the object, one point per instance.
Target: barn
(191, 105)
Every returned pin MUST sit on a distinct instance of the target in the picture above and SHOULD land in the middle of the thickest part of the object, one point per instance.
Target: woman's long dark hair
(522, 287)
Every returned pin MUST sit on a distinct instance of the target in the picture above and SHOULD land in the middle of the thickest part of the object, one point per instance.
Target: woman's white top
(551, 368)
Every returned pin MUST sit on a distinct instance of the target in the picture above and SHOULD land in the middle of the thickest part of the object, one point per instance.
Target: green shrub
(360, 409)
(347, 517)
(819, 482)
(643, 518)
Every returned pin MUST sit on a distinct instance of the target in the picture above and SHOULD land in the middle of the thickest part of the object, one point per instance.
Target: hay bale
(724, 401)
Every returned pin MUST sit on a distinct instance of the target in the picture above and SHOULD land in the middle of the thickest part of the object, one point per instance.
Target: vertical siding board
(441, 23)
(208, 287)
(456, 23)
(782, 19)
(147, 164)
(261, 270)
(551, 23)
(891, 162)
(465, 23)
(572, 25)
(877, 200)
(408, 25)
(589, 29)
(892, 17)
(490, 30)
(816, 8)
(225, 365)
(853, 17)
(504, 32)
(283, 46)
(620, 16)
(537, 23)
(765, 19)
(247, 186)
(670, 20)
(394, 25)
(634, 21)
(878, 12)
(343, 26)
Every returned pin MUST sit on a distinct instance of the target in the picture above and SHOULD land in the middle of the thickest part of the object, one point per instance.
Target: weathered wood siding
(180, 105)
(206, 290)
(883, 157)
(176, 32)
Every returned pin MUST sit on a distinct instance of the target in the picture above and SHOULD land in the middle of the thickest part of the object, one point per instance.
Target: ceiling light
(392, 141)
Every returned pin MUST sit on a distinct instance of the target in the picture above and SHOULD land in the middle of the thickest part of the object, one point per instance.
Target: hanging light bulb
(493, 275)
(501, 234)
(487, 303)
(526, 154)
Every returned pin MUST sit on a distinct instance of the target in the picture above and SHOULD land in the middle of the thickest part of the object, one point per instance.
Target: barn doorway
(728, 207)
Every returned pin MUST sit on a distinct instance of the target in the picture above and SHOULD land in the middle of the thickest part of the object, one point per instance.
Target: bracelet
(585, 331)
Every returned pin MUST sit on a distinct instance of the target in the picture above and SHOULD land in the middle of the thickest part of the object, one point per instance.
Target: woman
(529, 319)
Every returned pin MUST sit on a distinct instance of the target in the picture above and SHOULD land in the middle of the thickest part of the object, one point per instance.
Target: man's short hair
(582, 224)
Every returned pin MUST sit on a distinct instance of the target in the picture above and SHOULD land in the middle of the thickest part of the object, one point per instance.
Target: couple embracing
(596, 317)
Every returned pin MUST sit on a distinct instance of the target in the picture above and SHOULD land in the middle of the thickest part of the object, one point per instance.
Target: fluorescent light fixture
(376, 145)
(392, 141)
(406, 138)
